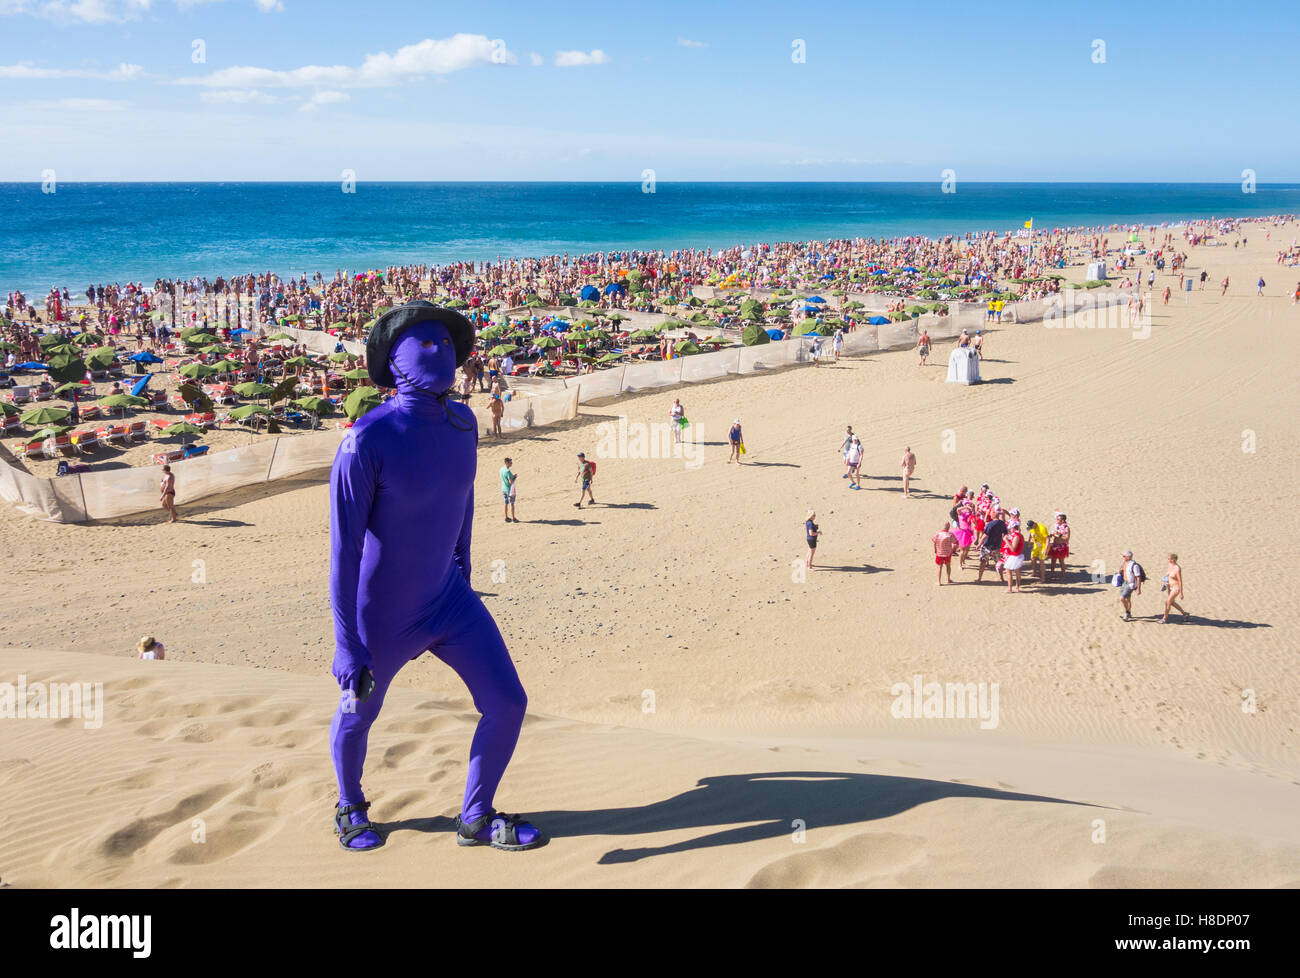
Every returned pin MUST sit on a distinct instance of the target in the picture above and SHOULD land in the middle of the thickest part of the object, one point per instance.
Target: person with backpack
(1130, 579)
(586, 472)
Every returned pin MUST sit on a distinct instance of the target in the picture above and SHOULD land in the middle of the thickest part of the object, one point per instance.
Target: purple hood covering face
(423, 360)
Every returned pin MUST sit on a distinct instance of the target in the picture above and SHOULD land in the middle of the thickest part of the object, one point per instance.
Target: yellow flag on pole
(1030, 224)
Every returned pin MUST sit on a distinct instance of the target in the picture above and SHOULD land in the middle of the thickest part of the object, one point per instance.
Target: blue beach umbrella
(145, 356)
(138, 387)
(775, 334)
(815, 298)
(590, 292)
(877, 321)
(614, 287)
(29, 365)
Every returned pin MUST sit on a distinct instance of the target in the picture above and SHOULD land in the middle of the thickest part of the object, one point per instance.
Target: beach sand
(677, 591)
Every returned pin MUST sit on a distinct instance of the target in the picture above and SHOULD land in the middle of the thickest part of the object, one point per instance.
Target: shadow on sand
(728, 804)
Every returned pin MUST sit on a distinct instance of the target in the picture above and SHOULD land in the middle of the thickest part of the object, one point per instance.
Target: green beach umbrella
(806, 327)
(46, 415)
(200, 339)
(52, 340)
(360, 401)
(7, 346)
(66, 368)
(253, 389)
(754, 335)
(227, 366)
(457, 304)
(185, 429)
(101, 357)
(85, 339)
(358, 373)
(610, 357)
(501, 349)
(121, 401)
(53, 431)
(215, 349)
(7, 409)
(341, 356)
(248, 410)
(686, 348)
(316, 405)
(197, 371)
(643, 335)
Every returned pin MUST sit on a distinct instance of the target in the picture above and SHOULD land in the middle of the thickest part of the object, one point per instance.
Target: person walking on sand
(945, 542)
(837, 342)
(844, 450)
(737, 439)
(1173, 583)
(498, 408)
(923, 347)
(1259, 287)
(811, 535)
(1225, 286)
(1129, 578)
(978, 344)
(167, 489)
(853, 457)
(508, 480)
(676, 419)
(586, 472)
(909, 466)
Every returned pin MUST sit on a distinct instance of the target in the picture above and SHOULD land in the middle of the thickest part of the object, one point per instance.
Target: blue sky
(301, 90)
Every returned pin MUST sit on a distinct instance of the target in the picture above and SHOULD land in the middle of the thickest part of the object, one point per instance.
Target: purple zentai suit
(401, 508)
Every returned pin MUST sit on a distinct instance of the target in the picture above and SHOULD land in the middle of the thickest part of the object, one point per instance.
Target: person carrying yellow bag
(736, 437)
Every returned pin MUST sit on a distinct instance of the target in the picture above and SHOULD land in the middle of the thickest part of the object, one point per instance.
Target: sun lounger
(20, 395)
(99, 375)
(41, 395)
(91, 412)
(162, 458)
(63, 445)
(85, 441)
(206, 420)
(12, 421)
(28, 448)
(117, 435)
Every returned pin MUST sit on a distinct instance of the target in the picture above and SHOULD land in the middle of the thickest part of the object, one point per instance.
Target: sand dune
(679, 587)
(206, 775)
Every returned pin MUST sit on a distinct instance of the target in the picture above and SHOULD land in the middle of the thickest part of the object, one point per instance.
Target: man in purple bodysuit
(401, 509)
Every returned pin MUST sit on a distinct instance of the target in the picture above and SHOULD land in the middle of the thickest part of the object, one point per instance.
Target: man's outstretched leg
(470, 642)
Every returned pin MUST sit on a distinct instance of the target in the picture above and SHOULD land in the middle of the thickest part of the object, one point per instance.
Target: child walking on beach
(586, 472)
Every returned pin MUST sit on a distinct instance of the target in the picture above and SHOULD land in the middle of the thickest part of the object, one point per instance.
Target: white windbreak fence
(113, 493)
(120, 492)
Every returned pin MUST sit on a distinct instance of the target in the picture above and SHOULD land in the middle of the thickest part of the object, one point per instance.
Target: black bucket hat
(393, 323)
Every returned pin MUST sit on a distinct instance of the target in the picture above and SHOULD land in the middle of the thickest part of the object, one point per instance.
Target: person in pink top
(1013, 555)
(1058, 546)
(944, 544)
(965, 531)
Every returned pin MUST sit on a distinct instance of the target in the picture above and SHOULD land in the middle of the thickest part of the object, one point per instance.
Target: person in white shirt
(853, 457)
(508, 365)
(150, 648)
(675, 419)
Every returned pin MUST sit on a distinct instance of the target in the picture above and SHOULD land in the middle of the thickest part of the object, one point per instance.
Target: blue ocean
(105, 232)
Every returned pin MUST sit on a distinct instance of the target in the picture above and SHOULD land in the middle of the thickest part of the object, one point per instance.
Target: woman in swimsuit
(1174, 581)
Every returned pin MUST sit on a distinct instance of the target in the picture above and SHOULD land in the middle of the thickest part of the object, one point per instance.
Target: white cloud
(410, 63)
(571, 59)
(123, 72)
(325, 98)
(691, 44)
(237, 96)
(105, 11)
(535, 59)
(83, 105)
(79, 11)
